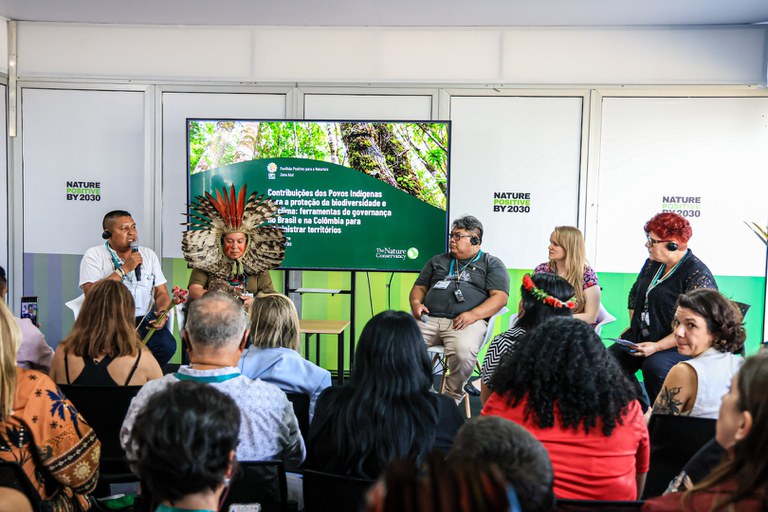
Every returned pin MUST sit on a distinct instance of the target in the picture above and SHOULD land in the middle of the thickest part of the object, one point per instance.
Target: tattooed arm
(678, 393)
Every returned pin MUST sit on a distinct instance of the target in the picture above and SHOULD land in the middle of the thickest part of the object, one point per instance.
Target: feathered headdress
(213, 217)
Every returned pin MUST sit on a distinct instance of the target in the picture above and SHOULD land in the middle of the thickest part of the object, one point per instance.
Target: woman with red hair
(670, 270)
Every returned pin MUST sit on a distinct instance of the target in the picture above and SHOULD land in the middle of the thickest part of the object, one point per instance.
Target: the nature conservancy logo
(387, 253)
(271, 170)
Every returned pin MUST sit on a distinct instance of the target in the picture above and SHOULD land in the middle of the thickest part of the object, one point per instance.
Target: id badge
(459, 296)
(442, 285)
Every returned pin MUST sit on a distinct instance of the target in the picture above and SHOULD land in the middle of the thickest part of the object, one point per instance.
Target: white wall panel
(84, 136)
(177, 107)
(364, 107)
(516, 145)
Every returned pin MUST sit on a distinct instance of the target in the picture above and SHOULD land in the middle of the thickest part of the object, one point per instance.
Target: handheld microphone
(135, 248)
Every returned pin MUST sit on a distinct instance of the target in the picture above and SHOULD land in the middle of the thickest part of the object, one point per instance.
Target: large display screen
(353, 195)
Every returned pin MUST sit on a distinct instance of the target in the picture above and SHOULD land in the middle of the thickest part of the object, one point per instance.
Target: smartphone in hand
(29, 309)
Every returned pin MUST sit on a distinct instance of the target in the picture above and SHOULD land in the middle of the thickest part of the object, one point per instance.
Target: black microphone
(135, 248)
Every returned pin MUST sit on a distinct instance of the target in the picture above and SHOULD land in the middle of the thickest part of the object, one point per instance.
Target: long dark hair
(536, 312)
(557, 364)
(747, 468)
(386, 411)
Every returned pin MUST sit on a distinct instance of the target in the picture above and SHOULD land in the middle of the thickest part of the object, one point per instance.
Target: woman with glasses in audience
(707, 328)
(42, 432)
(103, 348)
(387, 410)
(562, 386)
(670, 270)
(740, 482)
(567, 259)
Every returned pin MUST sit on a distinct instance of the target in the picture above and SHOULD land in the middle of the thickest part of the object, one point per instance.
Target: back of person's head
(522, 459)
(274, 322)
(185, 438)
(105, 324)
(723, 317)
(555, 364)
(746, 470)
(537, 293)
(216, 321)
(386, 410)
(10, 341)
(441, 486)
(391, 357)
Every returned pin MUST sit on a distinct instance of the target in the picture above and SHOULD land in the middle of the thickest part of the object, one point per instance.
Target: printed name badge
(442, 285)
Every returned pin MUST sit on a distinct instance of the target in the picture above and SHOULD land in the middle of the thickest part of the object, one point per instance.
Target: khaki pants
(461, 348)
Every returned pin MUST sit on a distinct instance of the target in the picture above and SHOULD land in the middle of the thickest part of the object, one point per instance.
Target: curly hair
(185, 436)
(724, 320)
(553, 369)
(670, 226)
(536, 312)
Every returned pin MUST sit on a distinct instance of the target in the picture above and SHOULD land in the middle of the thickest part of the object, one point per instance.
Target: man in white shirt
(118, 258)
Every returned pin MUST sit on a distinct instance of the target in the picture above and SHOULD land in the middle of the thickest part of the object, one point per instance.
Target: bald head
(216, 321)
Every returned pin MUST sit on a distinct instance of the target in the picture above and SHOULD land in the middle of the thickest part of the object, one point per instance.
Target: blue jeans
(162, 344)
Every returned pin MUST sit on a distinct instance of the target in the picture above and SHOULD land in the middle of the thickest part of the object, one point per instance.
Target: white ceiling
(392, 13)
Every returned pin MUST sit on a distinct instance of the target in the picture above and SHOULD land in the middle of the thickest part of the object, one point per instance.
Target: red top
(588, 466)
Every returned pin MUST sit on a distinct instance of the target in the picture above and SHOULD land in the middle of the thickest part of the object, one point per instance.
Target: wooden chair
(326, 491)
(438, 356)
(104, 408)
(674, 440)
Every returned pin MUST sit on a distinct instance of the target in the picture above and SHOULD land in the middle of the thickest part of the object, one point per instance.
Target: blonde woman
(42, 432)
(274, 356)
(103, 348)
(567, 259)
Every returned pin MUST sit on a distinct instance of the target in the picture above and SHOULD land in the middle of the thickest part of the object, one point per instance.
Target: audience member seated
(542, 296)
(442, 486)
(561, 384)
(567, 259)
(274, 355)
(103, 348)
(42, 432)
(215, 335)
(386, 410)
(185, 439)
(740, 483)
(708, 328)
(523, 460)
(34, 353)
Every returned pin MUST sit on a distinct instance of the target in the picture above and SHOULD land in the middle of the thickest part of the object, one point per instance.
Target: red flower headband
(543, 296)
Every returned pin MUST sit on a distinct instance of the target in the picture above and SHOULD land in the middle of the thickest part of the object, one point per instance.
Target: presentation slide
(353, 195)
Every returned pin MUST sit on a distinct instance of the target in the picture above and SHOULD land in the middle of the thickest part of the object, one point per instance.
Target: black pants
(655, 368)
(162, 344)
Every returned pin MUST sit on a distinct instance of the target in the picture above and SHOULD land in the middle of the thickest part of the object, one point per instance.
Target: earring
(227, 481)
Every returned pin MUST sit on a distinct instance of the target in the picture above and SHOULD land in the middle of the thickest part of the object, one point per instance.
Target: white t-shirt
(98, 263)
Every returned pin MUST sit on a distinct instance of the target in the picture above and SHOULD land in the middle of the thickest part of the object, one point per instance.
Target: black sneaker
(471, 390)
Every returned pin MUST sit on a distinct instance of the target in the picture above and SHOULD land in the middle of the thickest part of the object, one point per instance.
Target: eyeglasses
(654, 242)
(457, 236)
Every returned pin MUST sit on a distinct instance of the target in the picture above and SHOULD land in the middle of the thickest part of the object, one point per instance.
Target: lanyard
(115, 261)
(657, 280)
(461, 272)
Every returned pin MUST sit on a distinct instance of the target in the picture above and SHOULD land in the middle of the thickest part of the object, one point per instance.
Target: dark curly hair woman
(561, 384)
(185, 439)
(708, 328)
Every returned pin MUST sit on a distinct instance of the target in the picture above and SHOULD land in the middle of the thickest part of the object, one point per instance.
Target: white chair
(438, 355)
(603, 318)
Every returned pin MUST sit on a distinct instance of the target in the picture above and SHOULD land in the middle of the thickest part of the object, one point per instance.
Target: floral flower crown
(543, 296)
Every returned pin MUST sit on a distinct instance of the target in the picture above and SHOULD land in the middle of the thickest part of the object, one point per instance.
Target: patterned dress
(47, 437)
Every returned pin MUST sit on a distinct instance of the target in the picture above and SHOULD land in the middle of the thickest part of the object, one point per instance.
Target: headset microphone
(106, 234)
(672, 246)
(474, 240)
